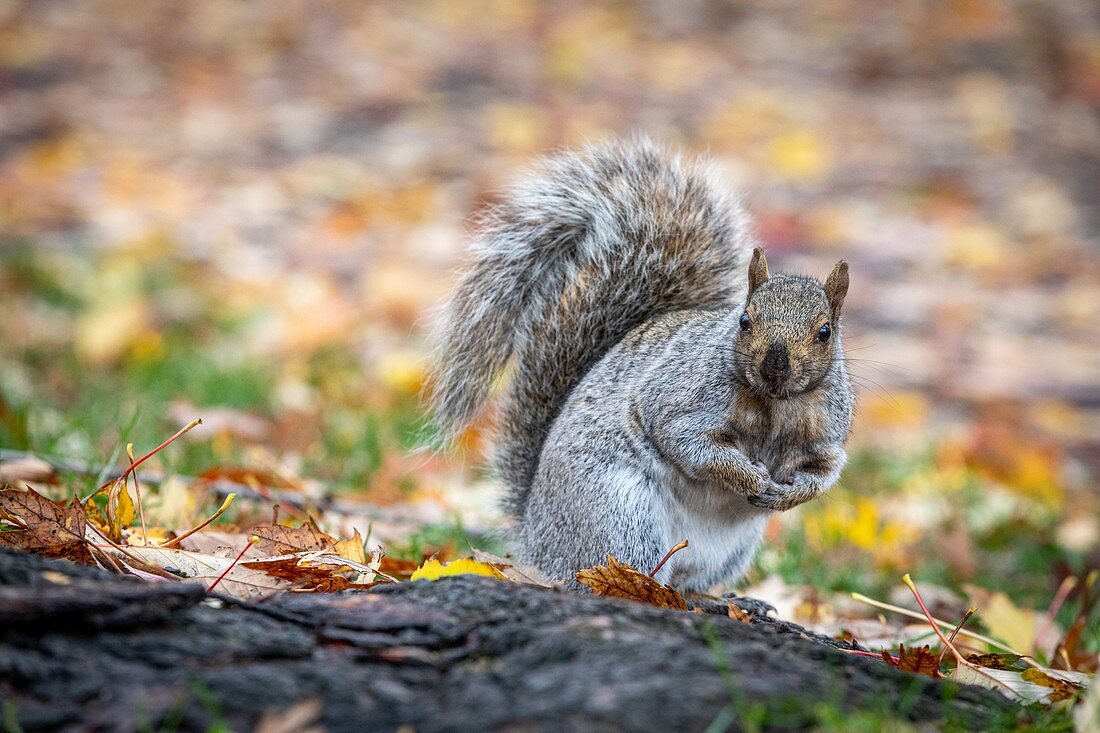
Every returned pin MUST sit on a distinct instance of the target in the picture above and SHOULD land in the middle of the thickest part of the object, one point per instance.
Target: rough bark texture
(84, 650)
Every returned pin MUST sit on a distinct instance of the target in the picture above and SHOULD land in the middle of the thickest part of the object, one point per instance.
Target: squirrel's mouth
(775, 389)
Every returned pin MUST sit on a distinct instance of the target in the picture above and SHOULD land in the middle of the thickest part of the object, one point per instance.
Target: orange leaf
(400, 569)
(736, 612)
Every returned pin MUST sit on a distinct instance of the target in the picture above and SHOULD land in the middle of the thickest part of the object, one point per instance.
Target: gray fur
(638, 414)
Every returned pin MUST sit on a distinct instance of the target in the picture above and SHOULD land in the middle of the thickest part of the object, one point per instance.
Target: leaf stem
(679, 546)
(221, 510)
(137, 488)
(232, 565)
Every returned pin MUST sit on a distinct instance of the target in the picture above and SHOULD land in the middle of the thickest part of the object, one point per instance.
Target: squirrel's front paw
(777, 497)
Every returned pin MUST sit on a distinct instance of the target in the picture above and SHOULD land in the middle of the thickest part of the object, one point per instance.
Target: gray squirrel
(655, 393)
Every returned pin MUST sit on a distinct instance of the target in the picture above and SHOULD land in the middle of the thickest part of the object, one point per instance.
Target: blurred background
(242, 212)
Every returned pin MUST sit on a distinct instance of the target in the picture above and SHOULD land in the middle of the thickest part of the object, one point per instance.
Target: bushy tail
(592, 245)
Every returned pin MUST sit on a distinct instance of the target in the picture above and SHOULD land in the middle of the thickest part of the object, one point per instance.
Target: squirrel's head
(787, 335)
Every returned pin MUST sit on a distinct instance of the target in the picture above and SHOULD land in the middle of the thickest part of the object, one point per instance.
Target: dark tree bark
(84, 650)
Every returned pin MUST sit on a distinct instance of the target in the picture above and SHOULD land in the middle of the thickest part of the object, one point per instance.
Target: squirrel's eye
(746, 324)
(823, 333)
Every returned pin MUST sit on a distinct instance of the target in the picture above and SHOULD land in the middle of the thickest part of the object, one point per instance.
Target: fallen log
(81, 649)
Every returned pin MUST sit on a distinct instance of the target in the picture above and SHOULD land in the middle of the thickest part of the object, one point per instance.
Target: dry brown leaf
(46, 527)
(619, 580)
(919, 660)
(316, 572)
(526, 574)
(220, 543)
(737, 612)
(238, 581)
(302, 575)
(1072, 648)
(276, 539)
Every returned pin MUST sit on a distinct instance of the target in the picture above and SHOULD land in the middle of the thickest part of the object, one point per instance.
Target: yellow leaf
(352, 548)
(121, 511)
(1016, 627)
(433, 569)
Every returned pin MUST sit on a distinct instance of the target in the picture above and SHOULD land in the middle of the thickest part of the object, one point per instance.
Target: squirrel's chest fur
(773, 431)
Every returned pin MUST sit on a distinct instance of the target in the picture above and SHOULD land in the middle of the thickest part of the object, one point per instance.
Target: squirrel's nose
(776, 367)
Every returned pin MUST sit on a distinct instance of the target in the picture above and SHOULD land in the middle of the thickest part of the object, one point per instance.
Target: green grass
(452, 536)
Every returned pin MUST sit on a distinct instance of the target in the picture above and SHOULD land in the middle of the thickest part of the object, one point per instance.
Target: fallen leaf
(1009, 683)
(305, 575)
(276, 539)
(1072, 649)
(1016, 627)
(352, 548)
(239, 581)
(919, 660)
(1061, 689)
(400, 569)
(518, 573)
(433, 569)
(998, 661)
(736, 612)
(45, 527)
(301, 717)
(620, 580)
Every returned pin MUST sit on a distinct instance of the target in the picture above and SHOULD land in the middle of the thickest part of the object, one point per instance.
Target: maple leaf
(352, 548)
(620, 580)
(45, 527)
(276, 539)
(920, 660)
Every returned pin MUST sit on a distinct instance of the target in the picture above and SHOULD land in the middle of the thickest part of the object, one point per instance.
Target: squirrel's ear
(836, 287)
(758, 270)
